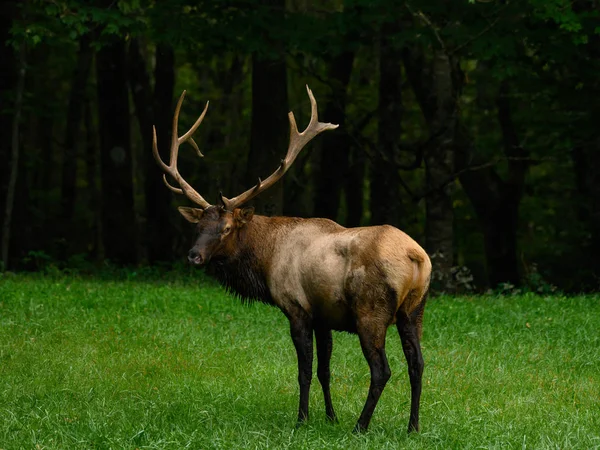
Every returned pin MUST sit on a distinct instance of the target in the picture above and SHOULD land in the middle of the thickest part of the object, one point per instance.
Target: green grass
(176, 363)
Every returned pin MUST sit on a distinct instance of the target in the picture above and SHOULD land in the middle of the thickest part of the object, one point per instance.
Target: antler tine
(192, 130)
(299, 140)
(171, 169)
(297, 143)
(175, 132)
(193, 144)
(171, 188)
(155, 153)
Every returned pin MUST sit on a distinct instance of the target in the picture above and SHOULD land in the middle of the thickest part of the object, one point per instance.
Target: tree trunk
(72, 133)
(231, 80)
(269, 130)
(386, 203)
(14, 160)
(586, 163)
(154, 110)
(437, 93)
(161, 231)
(354, 187)
(8, 81)
(593, 153)
(439, 169)
(92, 158)
(44, 230)
(496, 202)
(586, 158)
(335, 145)
(117, 214)
(500, 239)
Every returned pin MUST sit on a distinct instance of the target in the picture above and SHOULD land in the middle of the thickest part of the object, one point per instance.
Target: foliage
(545, 50)
(66, 20)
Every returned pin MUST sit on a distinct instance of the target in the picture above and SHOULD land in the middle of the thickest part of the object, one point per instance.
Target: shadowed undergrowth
(177, 363)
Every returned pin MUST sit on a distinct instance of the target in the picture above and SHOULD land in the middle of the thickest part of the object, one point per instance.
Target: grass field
(176, 363)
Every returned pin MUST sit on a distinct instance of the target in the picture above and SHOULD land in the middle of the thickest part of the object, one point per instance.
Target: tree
(496, 200)
(72, 138)
(335, 146)
(118, 220)
(8, 82)
(434, 82)
(386, 201)
(269, 130)
(154, 108)
(14, 157)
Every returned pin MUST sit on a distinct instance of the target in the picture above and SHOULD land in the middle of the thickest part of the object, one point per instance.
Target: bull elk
(322, 276)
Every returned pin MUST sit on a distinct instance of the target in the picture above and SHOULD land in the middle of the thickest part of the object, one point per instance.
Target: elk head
(218, 226)
(216, 231)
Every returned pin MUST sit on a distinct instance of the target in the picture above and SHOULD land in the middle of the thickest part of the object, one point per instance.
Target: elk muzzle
(196, 257)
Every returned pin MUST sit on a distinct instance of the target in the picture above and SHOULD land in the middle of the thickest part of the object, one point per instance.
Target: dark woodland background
(471, 125)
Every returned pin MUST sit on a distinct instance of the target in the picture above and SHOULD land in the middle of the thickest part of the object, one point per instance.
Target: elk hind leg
(372, 341)
(409, 328)
(324, 347)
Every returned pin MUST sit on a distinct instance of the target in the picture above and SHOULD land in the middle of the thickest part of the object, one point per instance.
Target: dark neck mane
(241, 277)
(244, 273)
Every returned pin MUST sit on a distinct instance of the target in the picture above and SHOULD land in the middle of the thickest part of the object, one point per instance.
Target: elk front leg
(324, 346)
(372, 342)
(408, 329)
(302, 336)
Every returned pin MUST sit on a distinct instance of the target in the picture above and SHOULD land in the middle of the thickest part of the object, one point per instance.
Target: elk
(321, 275)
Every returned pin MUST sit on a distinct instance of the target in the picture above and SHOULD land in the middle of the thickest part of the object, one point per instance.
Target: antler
(176, 141)
(297, 143)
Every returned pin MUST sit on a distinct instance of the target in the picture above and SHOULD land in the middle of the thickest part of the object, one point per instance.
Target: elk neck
(244, 271)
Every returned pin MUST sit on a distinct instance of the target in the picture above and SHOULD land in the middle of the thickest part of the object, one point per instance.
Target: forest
(471, 125)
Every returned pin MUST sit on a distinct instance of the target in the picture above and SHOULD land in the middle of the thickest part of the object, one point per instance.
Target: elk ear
(244, 215)
(192, 215)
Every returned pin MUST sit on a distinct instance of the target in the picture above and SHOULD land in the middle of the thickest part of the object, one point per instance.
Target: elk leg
(409, 330)
(372, 342)
(302, 336)
(324, 346)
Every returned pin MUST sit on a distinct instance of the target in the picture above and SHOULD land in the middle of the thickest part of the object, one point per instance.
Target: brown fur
(323, 276)
(365, 263)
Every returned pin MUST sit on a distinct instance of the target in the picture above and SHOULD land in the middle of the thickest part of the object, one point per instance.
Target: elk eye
(226, 229)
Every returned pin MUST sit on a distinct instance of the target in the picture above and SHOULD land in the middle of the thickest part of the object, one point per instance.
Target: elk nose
(195, 257)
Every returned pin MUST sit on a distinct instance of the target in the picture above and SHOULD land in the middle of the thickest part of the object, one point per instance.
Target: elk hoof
(302, 418)
(413, 428)
(359, 428)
